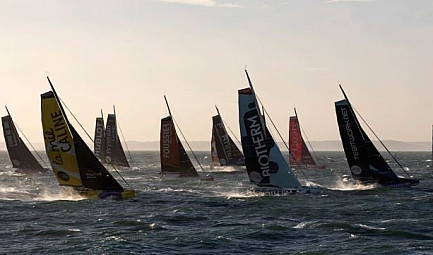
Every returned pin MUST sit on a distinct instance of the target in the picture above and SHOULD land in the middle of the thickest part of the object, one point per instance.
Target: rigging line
(377, 137)
(75, 118)
(31, 145)
(124, 141)
(115, 169)
(190, 149)
(231, 132)
(282, 139)
(308, 141)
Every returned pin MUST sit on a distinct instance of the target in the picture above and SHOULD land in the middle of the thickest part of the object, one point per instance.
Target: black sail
(222, 144)
(114, 153)
(20, 155)
(186, 168)
(365, 161)
(93, 174)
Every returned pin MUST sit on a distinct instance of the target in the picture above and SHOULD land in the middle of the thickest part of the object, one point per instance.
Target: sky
(130, 53)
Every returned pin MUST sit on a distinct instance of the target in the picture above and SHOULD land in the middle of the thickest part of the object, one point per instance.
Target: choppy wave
(187, 216)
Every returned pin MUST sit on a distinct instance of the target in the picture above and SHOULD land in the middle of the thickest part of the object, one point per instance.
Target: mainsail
(264, 161)
(222, 146)
(19, 153)
(174, 158)
(114, 153)
(365, 162)
(99, 141)
(72, 161)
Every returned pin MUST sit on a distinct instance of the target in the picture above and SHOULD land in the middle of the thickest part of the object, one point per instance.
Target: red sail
(295, 141)
(300, 155)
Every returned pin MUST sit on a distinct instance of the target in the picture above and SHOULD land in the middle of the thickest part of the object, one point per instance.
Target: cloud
(206, 3)
(347, 1)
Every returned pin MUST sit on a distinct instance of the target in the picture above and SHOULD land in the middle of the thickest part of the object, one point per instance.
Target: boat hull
(308, 167)
(30, 171)
(106, 194)
(400, 182)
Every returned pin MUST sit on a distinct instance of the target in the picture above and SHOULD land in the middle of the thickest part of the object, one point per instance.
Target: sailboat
(72, 161)
(365, 162)
(21, 157)
(300, 156)
(223, 150)
(266, 165)
(114, 153)
(174, 159)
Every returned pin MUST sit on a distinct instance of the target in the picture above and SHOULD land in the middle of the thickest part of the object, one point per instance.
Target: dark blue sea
(189, 216)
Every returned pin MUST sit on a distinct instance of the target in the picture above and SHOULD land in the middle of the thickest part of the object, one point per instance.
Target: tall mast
(252, 90)
(58, 101)
(261, 116)
(7, 110)
(168, 106)
(217, 110)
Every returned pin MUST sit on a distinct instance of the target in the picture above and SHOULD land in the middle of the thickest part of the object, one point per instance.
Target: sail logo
(99, 133)
(58, 137)
(224, 140)
(350, 133)
(255, 132)
(165, 135)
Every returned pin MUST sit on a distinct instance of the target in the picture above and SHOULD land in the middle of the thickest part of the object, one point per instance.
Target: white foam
(345, 185)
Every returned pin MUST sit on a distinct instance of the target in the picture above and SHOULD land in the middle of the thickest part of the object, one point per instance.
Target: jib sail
(226, 150)
(114, 153)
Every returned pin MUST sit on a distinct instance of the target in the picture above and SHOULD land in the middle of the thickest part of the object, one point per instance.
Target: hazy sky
(129, 53)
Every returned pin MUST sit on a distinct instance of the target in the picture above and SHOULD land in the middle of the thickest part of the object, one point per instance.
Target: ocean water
(188, 216)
